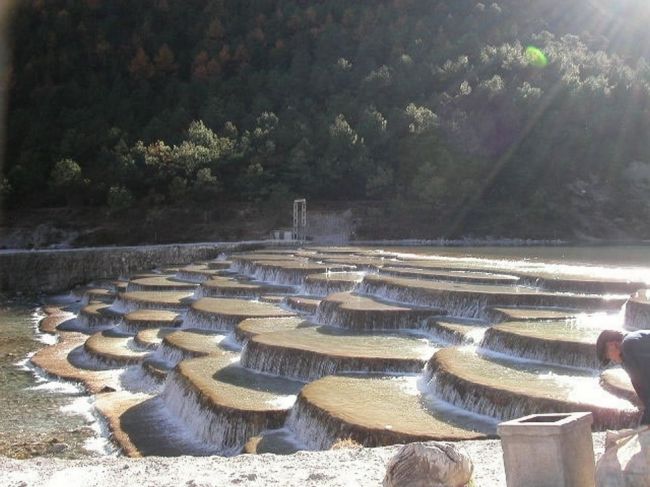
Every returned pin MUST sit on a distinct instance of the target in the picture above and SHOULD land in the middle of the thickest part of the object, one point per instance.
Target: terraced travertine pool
(282, 350)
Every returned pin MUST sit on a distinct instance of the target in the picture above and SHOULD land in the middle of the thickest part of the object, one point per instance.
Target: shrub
(119, 198)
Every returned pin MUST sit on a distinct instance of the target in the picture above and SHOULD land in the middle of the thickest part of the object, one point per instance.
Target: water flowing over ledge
(352, 362)
(573, 354)
(225, 429)
(307, 366)
(475, 390)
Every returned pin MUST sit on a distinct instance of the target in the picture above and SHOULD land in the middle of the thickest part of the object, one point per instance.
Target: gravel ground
(344, 467)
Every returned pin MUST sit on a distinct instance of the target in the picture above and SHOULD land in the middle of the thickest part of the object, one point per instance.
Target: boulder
(626, 461)
(429, 465)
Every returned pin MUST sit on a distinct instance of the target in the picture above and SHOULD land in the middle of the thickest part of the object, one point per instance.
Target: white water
(131, 380)
(475, 306)
(209, 321)
(45, 338)
(555, 268)
(322, 288)
(81, 404)
(309, 429)
(135, 379)
(272, 275)
(192, 276)
(85, 407)
(170, 355)
(225, 431)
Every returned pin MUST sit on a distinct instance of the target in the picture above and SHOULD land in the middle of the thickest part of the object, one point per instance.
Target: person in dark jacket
(632, 351)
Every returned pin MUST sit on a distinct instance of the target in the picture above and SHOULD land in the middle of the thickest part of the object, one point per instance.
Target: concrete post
(548, 450)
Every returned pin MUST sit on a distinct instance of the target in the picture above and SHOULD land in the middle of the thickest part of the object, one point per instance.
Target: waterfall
(307, 366)
(334, 314)
(506, 405)
(573, 354)
(135, 379)
(269, 274)
(210, 321)
(455, 304)
(637, 312)
(309, 425)
(171, 355)
(320, 286)
(96, 320)
(474, 302)
(196, 277)
(82, 358)
(224, 428)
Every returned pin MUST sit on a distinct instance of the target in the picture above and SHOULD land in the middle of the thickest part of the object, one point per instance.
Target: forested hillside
(531, 111)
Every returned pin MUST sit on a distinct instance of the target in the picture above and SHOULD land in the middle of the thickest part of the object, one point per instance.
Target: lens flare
(535, 57)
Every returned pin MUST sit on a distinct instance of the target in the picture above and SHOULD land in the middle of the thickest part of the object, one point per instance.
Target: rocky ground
(345, 467)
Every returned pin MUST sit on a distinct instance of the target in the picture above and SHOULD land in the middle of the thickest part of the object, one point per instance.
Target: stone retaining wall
(57, 270)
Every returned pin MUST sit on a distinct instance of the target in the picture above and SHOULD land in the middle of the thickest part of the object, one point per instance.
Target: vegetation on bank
(517, 111)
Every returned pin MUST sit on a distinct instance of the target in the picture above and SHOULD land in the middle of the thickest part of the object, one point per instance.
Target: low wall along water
(58, 270)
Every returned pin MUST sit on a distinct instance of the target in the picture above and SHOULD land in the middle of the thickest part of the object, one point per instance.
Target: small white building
(282, 234)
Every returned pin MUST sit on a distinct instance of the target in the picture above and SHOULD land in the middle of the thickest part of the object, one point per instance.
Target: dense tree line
(438, 105)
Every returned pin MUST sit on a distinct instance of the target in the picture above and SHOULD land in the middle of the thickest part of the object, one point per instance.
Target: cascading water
(572, 354)
(307, 366)
(217, 429)
(223, 402)
(206, 321)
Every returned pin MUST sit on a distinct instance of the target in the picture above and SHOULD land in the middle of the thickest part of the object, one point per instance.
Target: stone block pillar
(548, 450)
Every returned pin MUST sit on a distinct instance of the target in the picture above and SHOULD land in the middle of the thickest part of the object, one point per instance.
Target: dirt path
(363, 467)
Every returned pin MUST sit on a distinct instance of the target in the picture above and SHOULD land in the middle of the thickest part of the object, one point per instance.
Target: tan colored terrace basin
(288, 272)
(331, 282)
(473, 300)
(581, 283)
(266, 255)
(151, 338)
(356, 261)
(151, 318)
(224, 313)
(224, 404)
(509, 389)
(97, 315)
(275, 350)
(177, 301)
(561, 342)
(114, 349)
(197, 273)
(49, 324)
(159, 283)
(56, 361)
(186, 344)
(456, 330)
(525, 314)
(372, 411)
(303, 304)
(255, 326)
(99, 294)
(359, 312)
(219, 265)
(228, 287)
(312, 352)
(129, 418)
(454, 276)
